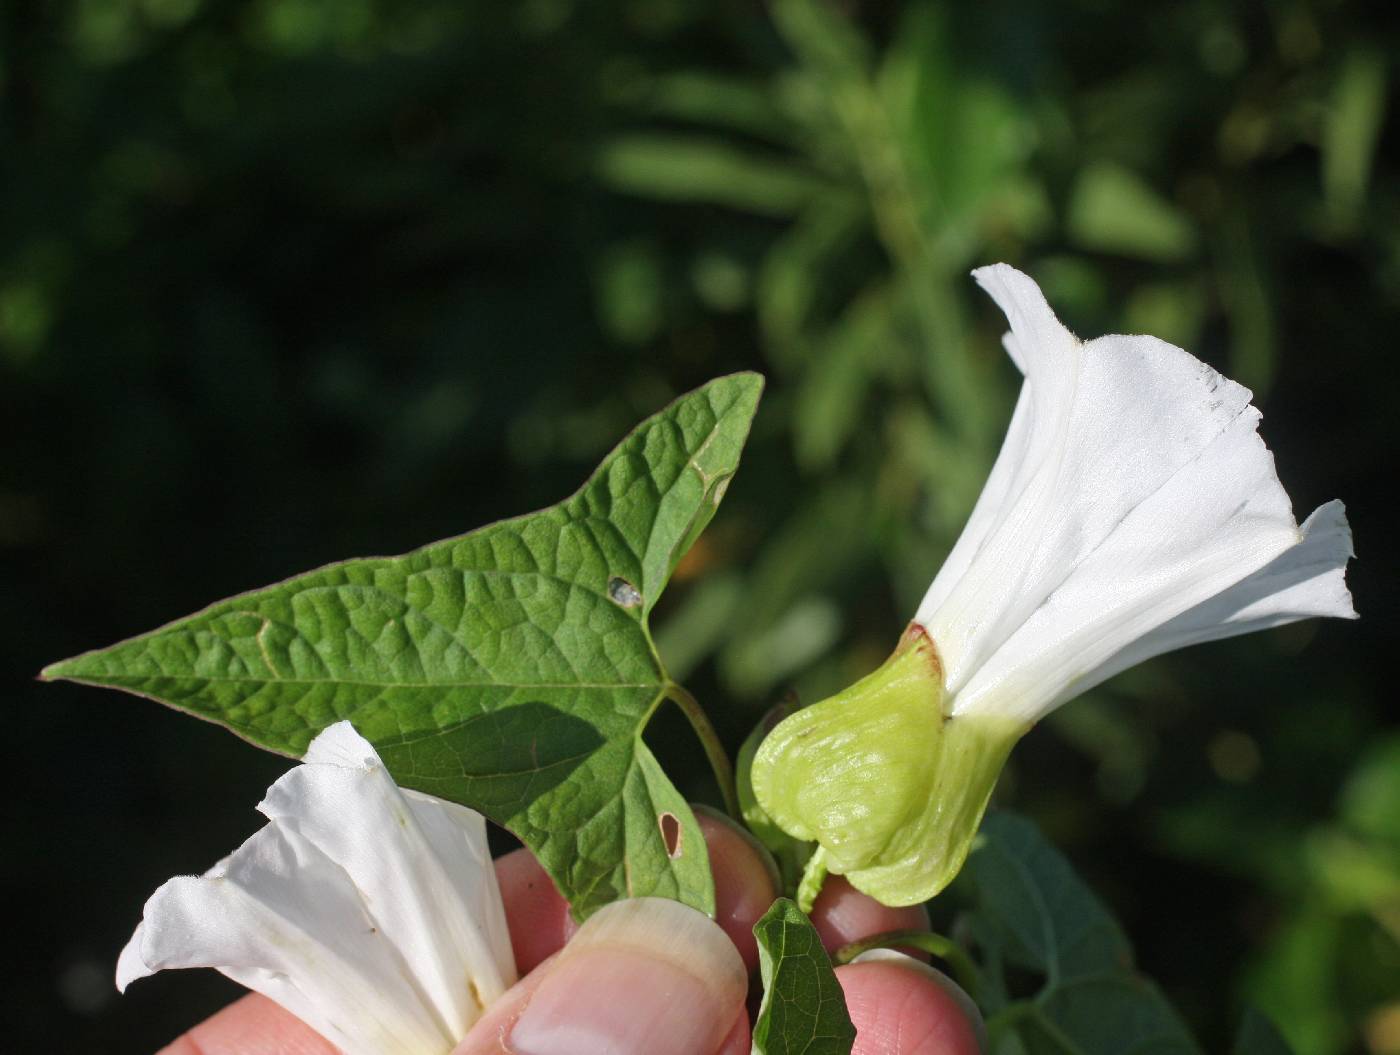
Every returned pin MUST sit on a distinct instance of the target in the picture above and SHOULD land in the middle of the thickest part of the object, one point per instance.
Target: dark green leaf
(803, 1010)
(510, 669)
(1033, 911)
(1259, 1037)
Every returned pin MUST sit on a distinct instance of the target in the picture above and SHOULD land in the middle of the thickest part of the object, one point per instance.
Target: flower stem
(709, 740)
(813, 876)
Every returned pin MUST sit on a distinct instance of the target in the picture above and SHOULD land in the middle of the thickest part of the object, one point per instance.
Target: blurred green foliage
(292, 280)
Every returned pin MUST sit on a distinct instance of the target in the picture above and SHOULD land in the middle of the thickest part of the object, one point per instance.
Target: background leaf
(1115, 211)
(804, 1010)
(1033, 912)
(510, 669)
(1259, 1037)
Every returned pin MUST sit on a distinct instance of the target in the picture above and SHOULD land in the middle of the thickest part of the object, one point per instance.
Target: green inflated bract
(889, 784)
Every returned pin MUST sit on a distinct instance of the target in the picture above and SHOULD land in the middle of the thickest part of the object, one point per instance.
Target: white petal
(987, 511)
(1218, 519)
(1051, 349)
(1034, 324)
(287, 921)
(421, 867)
(1100, 428)
(458, 837)
(130, 964)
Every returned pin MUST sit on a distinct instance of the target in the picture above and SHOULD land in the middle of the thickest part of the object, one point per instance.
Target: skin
(896, 1010)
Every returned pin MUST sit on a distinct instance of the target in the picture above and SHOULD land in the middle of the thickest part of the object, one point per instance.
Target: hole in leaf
(670, 834)
(623, 592)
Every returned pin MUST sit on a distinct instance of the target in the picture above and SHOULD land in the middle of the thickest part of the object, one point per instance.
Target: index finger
(253, 1025)
(842, 914)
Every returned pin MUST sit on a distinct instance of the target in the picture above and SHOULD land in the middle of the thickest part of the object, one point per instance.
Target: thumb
(640, 976)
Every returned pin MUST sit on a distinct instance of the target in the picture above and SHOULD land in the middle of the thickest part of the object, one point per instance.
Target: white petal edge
(1306, 581)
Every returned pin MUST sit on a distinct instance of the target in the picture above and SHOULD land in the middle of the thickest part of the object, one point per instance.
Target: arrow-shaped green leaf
(510, 669)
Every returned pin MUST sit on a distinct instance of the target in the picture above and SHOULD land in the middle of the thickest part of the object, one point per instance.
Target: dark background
(289, 281)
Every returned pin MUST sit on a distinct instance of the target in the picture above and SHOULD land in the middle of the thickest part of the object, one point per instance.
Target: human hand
(664, 982)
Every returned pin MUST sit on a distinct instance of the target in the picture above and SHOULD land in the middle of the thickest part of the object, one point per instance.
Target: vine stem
(709, 740)
(950, 952)
(1010, 1016)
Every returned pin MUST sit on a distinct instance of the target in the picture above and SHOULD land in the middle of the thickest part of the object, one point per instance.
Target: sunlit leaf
(510, 669)
(1114, 210)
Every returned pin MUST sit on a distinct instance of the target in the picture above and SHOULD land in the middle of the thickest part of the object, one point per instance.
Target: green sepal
(789, 853)
(888, 784)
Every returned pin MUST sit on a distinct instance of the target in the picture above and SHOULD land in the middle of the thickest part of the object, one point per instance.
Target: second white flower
(370, 912)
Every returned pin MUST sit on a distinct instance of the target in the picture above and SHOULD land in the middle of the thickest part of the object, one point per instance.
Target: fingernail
(641, 976)
(958, 993)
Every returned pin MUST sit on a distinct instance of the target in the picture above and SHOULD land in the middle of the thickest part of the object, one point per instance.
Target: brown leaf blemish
(916, 637)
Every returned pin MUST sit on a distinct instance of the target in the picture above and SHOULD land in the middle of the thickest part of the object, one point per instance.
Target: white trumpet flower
(370, 912)
(1133, 510)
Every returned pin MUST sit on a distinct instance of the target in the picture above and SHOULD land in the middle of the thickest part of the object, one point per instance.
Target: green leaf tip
(510, 669)
(803, 1010)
